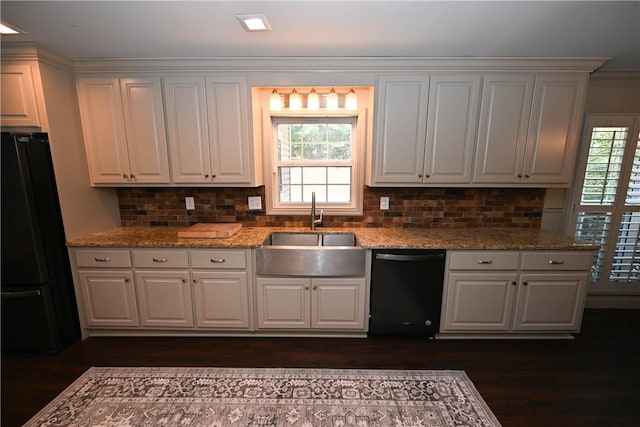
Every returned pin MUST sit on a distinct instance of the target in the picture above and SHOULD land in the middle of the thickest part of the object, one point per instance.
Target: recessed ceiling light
(5, 29)
(254, 22)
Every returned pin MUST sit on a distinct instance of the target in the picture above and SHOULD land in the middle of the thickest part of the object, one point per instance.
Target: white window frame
(604, 285)
(355, 206)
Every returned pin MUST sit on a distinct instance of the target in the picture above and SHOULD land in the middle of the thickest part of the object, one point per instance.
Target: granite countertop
(370, 238)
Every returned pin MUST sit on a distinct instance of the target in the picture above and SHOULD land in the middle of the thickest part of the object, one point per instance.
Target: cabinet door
(479, 301)
(502, 131)
(338, 303)
(228, 118)
(400, 129)
(144, 126)
(553, 129)
(221, 299)
(451, 128)
(19, 100)
(109, 298)
(550, 301)
(164, 298)
(105, 141)
(283, 303)
(188, 132)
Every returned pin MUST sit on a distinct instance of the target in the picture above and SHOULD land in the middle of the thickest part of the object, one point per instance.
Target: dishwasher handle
(399, 257)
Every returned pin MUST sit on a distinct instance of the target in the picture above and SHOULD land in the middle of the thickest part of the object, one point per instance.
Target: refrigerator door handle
(21, 294)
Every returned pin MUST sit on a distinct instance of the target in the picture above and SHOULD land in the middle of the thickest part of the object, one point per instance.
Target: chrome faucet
(315, 222)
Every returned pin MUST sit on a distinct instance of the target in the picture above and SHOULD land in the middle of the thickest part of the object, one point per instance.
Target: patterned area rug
(267, 398)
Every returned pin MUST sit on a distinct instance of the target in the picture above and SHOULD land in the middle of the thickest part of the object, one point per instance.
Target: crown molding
(338, 64)
(29, 51)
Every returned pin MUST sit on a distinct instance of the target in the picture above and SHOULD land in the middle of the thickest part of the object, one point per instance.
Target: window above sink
(307, 150)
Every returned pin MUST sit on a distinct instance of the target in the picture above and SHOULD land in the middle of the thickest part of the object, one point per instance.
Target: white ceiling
(203, 29)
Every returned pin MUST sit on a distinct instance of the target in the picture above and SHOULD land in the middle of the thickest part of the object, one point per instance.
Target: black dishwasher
(406, 291)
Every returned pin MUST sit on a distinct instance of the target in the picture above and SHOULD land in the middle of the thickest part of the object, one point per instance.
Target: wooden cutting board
(203, 230)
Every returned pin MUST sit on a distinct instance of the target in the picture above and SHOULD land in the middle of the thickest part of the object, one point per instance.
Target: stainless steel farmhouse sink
(311, 254)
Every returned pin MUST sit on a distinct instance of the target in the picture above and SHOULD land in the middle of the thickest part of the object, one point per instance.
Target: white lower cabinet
(106, 288)
(306, 303)
(221, 289)
(164, 298)
(515, 292)
(108, 298)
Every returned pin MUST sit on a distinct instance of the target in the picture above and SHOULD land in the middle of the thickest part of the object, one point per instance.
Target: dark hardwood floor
(593, 380)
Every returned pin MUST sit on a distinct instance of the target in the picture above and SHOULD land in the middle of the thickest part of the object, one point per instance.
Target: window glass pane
(594, 227)
(320, 190)
(339, 193)
(626, 261)
(314, 151)
(339, 175)
(339, 132)
(314, 175)
(339, 151)
(633, 192)
(604, 164)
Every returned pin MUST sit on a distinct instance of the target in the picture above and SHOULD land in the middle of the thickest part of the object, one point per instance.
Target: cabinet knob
(525, 283)
(126, 280)
(213, 175)
(125, 176)
(184, 280)
(195, 280)
(133, 176)
(315, 287)
(420, 176)
(526, 176)
(206, 175)
(513, 283)
(519, 175)
(306, 286)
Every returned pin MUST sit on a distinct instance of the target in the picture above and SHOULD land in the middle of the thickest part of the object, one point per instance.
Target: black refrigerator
(39, 312)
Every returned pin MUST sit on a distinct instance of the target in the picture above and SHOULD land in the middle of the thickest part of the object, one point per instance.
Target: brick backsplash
(408, 207)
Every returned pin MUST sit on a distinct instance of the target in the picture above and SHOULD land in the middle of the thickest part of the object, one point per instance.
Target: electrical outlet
(255, 203)
(384, 203)
(189, 203)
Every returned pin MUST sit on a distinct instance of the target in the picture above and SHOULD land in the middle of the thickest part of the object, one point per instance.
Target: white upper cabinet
(19, 95)
(398, 155)
(208, 129)
(426, 129)
(556, 115)
(187, 130)
(528, 129)
(502, 133)
(451, 128)
(123, 126)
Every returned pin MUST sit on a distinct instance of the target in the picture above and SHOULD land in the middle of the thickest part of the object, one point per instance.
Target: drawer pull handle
(160, 260)
(552, 262)
(104, 259)
(218, 261)
(480, 261)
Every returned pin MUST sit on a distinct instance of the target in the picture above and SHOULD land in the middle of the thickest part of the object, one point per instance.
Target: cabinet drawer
(219, 259)
(161, 259)
(483, 260)
(575, 260)
(103, 258)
